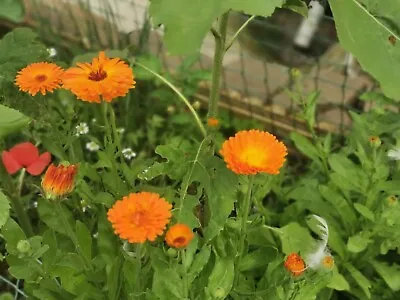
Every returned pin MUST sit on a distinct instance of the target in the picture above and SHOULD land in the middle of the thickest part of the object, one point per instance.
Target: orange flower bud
(179, 236)
(59, 181)
(295, 264)
(212, 122)
(328, 262)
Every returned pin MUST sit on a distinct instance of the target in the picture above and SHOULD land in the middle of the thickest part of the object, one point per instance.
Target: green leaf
(107, 242)
(4, 209)
(305, 146)
(390, 274)
(187, 23)
(297, 6)
(12, 10)
(258, 258)
(49, 215)
(152, 62)
(360, 279)
(221, 278)
(341, 205)
(370, 31)
(84, 240)
(12, 234)
(104, 198)
(364, 211)
(11, 120)
(200, 260)
(358, 243)
(338, 282)
(167, 284)
(295, 238)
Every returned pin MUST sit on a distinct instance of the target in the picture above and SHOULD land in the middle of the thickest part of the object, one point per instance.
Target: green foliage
(11, 120)
(12, 10)
(380, 40)
(4, 209)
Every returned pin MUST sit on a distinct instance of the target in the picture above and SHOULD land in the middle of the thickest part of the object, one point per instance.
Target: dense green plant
(341, 204)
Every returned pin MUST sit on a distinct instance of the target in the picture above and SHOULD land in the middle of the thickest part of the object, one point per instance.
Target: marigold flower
(254, 151)
(105, 78)
(295, 264)
(212, 122)
(179, 236)
(140, 216)
(25, 155)
(39, 77)
(59, 181)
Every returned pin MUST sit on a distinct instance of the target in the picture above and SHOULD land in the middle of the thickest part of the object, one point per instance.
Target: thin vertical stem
(185, 277)
(104, 110)
(220, 41)
(243, 231)
(138, 266)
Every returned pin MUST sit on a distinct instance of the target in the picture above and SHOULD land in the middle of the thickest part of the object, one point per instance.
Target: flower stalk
(243, 232)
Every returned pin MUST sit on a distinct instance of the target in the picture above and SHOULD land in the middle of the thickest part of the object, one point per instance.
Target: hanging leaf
(370, 31)
(11, 120)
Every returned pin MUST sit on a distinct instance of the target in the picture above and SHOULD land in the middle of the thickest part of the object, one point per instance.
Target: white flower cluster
(128, 153)
(81, 129)
(92, 146)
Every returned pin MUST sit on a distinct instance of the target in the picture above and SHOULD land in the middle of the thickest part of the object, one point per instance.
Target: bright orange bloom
(140, 216)
(59, 181)
(295, 264)
(179, 236)
(212, 122)
(254, 151)
(105, 78)
(39, 77)
(328, 262)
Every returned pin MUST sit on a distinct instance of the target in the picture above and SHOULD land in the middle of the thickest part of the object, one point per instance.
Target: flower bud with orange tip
(59, 180)
(179, 236)
(328, 262)
(212, 122)
(295, 264)
(251, 152)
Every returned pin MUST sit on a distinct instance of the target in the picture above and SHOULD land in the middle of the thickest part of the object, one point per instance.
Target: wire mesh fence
(257, 68)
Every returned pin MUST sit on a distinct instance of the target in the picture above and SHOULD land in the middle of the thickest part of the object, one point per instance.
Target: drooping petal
(37, 167)
(12, 166)
(25, 153)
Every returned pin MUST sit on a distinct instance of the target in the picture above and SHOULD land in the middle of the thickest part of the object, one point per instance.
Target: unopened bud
(23, 246)
(374, 141)
(219, 293)
(392, 200)
(171, 252)
(196, 105)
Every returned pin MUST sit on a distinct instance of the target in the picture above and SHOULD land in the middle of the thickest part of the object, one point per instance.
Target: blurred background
(257, 68)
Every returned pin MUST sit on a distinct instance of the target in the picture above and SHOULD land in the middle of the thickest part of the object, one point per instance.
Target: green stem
(17, 206)
(114, 131)
(185, 277)
(72, 234)
(104, 110)
(243, 232)
(138, 266)
(219, 52)
(238, 32)
(180, 95)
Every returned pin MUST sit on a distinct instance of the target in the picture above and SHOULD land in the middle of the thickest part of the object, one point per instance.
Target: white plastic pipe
(309, 25)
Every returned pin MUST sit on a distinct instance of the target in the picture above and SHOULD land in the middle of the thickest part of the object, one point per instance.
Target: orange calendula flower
(295, 264)
(59, 181)
(105, 78)
(328, 262)
(40, 77)
(179, 236)
(254, 151)
(140, 216)
(212, 122)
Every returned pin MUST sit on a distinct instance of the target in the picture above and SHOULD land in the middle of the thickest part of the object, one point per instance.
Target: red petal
(11, 165)
(37, 167)
(25, 153)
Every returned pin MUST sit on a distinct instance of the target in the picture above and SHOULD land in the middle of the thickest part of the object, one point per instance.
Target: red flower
(25, 155)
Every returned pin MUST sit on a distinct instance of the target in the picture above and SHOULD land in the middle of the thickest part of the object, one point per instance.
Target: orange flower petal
(40, 77)
(179, 236)
(104, 78)
(254, 151)
(59, 181)
(295, 264)
(140, 216)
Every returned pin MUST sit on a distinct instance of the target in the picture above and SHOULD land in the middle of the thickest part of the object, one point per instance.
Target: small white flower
(94, 120)
(394, 154)
(95, 235)
(81, 129)
(128, 153)
(121, 130)
(52, 51)
(92, 146)
(35, 204)
(321, 257)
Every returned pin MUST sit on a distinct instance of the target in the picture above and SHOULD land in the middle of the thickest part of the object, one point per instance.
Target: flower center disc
(98, 75)
(41, 78)
(179, 240)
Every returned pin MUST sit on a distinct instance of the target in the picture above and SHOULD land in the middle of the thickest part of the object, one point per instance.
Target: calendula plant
(207, 216)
